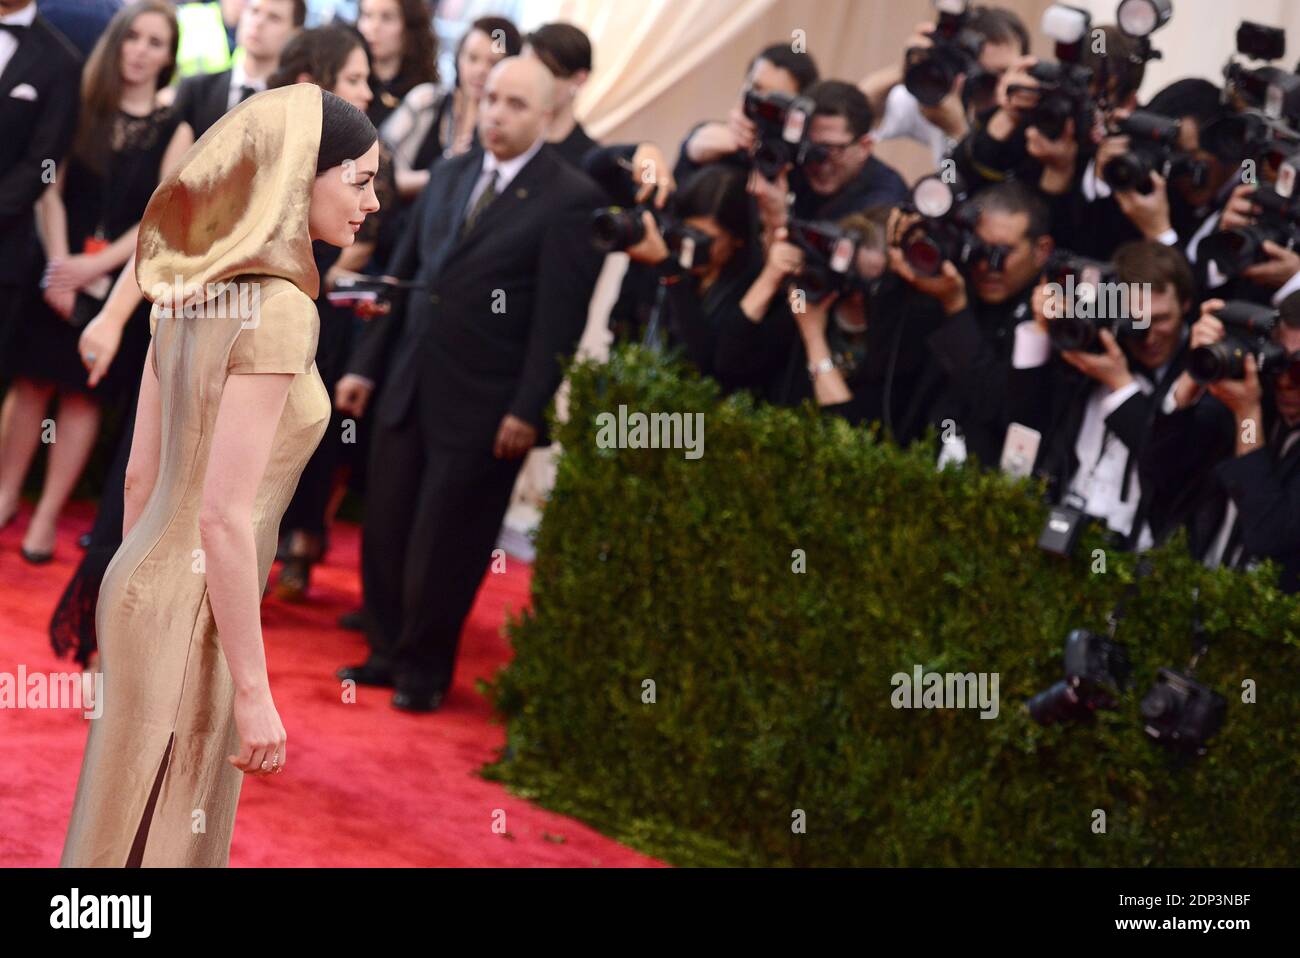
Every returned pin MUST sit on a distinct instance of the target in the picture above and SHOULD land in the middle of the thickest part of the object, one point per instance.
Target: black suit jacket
(501, 304)
(201, 100)
(32, 132)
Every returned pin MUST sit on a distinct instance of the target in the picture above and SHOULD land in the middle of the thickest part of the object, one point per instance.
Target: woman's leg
(76, 427)
(20, 431)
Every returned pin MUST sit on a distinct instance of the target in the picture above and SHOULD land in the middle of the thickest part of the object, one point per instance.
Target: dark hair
(345, 132)
(562, 47)
(718, 191)
(1012, 197)
(999, 25)
(319, 52)
(101, 80)
(1150, 261)
(419, 63)
(489, 26)
(837, 98)
(801, 66)
(1191, 96)
(1121, 62)
(1289, 311)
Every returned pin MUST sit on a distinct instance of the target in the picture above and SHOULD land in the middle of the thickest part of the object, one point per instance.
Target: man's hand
(1149, 212)
(948, 287)
(783, 257)
(1242, 396)
(514, 438)
(1206, 331)
(1280, 266)
(744, 134)
(1057, 156)
(772, 197)
(351, 395)
(652, 250)
(652, 175)
(1012, 107)
(1110, 368)
(1240, 210)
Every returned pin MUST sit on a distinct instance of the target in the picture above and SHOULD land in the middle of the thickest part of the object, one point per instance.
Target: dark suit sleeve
(567, 272)
(976, 375)
(1269, 507)
(22, 183)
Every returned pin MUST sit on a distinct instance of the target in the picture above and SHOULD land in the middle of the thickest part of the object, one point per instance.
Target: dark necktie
(19, 30)
(484, 200)
(245, 92)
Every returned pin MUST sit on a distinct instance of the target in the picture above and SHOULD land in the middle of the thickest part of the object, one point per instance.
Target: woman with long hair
(87, 222)
(403, 50)
(231, 407)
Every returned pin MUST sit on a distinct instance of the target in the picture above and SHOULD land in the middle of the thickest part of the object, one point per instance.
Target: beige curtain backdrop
(661, 66)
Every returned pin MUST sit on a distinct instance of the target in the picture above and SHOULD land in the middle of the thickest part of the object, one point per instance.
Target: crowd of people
(777, 255)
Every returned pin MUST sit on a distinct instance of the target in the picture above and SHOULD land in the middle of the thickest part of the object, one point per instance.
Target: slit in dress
(142, 833)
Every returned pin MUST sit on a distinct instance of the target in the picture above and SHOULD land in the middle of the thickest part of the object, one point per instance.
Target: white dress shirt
(902, 118)
(9, 42)
(238, 80)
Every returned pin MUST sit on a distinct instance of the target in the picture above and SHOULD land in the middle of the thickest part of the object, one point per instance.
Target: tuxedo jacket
(1053, 398)
(201, 100)
(500, 308)
(39, 98)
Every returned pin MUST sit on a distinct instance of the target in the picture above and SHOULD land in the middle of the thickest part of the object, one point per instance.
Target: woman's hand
(100, 339)
(261, 734)
(73, 272)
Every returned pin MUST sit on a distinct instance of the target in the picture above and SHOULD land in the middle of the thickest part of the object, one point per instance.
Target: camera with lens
(946, 230)
(1087, 297)
(1271, 89)
(616, 228)
(1153, 148)
(1247, 331)
(782, 123)
(830, 259)
(929, 73)
(1234, 250)
(1182, 714)
(1097, 670)
(1062, 92)
(369, 296)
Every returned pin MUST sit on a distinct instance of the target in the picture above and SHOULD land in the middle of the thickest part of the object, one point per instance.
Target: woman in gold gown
(231, 408)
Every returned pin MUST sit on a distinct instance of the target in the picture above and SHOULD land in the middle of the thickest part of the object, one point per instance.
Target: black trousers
(433, 515)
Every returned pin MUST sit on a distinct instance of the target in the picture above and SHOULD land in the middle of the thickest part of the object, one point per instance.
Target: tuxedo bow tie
(17, 29)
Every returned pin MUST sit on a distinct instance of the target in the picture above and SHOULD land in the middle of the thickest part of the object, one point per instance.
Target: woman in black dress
(87, 221)
(403, 51)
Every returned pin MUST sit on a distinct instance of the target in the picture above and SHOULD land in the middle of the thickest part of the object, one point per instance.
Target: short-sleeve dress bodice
(155, 762)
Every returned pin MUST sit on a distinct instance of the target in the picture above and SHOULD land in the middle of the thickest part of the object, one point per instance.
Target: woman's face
(353, 81)
(380, 22)
(146, 50)
(342, 196)
(722, 248)
(478, 55)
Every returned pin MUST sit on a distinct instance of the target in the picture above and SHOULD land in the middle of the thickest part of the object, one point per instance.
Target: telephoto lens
(1096, 670)
(1248, 329)
(615, 228)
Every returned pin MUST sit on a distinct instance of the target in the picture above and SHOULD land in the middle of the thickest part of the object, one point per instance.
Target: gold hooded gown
(235, 211)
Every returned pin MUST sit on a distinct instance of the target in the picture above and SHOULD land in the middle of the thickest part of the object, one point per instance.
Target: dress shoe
(366, 674)
(35, 558)
(351, 620)
(413, 700)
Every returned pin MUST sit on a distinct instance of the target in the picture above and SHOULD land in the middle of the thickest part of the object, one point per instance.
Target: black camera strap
(651, 339)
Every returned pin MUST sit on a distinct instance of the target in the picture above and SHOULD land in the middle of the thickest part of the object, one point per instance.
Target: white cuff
(1093, 186)
(1286, 289)
(1033, 347)
(1169, 237)
(1112, 401)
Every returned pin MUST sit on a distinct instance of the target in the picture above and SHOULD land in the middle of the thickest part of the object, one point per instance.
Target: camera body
(928, 73)
(1097, 669)
(1087, 306)
(783, 123)
(946, 230)
(1234, 250)
(1153, 148)
(1248, 329)
(830, 258)
(1063, 95)
(616, 228)
(1181, 713)
(1271, 89)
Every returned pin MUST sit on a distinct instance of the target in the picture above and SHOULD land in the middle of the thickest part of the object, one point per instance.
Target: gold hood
(237, 204)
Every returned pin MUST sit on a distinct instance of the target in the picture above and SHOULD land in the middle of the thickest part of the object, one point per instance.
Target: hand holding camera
(1149, 212)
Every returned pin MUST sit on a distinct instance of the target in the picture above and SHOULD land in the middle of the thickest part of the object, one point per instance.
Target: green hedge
(773, 687)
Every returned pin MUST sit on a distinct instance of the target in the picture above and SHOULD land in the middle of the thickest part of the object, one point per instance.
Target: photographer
(712, 228)
(1095, 407)
(839, 175)
(855, 344)
(964, 388)
(1003, 39)
(1241, 437)
(776, 69)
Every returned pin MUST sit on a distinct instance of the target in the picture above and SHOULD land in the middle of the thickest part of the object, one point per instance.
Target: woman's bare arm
(146, 447)
(251, 404)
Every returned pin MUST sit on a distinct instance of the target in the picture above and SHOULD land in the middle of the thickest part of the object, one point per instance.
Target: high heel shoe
(295, 575)
(36, 558)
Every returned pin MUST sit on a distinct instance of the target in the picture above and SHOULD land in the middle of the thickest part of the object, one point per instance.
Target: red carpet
(365, 785)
